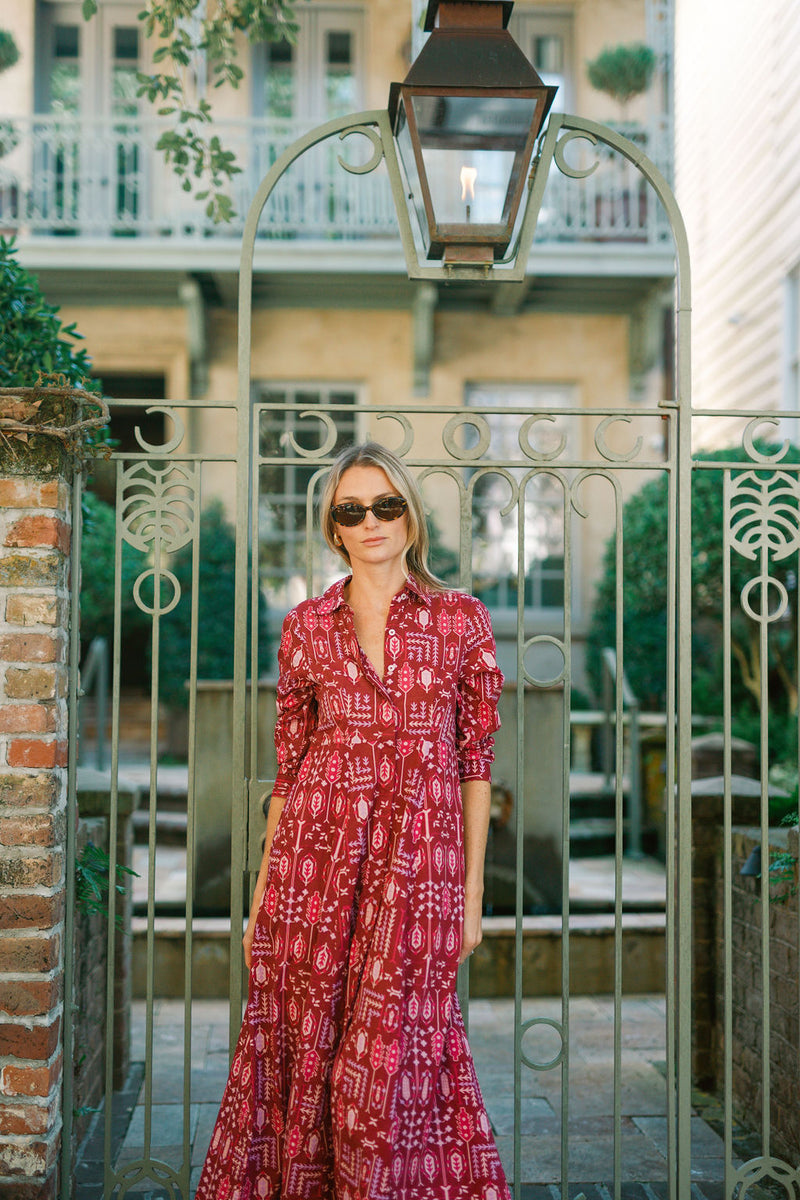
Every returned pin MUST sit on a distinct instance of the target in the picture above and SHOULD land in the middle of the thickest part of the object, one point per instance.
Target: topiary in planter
(9, 51)
(623, 72)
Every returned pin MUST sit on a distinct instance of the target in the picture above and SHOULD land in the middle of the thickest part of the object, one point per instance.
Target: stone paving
(590, 1141)
(590, 1116)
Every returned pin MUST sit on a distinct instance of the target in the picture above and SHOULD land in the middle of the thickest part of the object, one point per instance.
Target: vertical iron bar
(619, 838)
(255, 590)
(797, 761)
(244, 483)
(112, 838)
(101, 692)
(155, 639)
(186, 1170)
(566, 810)
(519, 786)
(673, 915)
(727, 835)
(465, 580)
(635, 782)
(607, 737)
(765, 877)
(684, 710)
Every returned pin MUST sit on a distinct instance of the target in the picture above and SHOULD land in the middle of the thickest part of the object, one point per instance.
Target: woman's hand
(472, 933)
(247, 941)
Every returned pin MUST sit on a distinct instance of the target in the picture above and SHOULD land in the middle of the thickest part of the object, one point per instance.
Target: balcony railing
(102, 177)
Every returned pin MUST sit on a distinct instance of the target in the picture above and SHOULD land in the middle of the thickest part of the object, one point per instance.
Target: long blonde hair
(372, 454)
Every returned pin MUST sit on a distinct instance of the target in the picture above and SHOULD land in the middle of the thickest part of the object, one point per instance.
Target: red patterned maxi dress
(352, 1078)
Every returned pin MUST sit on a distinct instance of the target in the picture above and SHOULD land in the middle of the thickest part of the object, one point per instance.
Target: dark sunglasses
(387, 509)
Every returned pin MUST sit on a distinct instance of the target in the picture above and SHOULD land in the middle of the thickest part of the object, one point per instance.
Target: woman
(352, 1078)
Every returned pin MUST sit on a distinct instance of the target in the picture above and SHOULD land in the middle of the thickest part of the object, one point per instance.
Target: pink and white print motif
(352, 1078)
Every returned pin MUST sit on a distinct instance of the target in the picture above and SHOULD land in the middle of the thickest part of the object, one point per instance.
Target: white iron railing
(102, 177)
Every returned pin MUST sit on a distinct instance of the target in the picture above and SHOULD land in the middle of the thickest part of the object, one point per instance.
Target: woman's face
(372, 541)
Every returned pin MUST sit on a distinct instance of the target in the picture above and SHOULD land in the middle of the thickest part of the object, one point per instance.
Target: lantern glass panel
(409, 161)
(473, 150)
(469, 187)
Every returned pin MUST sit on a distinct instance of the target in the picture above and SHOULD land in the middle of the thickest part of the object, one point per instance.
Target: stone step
(591, 943)
(170, 827)
(134, 724)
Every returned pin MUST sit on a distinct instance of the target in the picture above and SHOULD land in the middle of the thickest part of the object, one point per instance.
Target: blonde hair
(372, 454)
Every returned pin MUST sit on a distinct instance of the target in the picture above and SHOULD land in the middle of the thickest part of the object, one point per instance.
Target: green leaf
(88, 9)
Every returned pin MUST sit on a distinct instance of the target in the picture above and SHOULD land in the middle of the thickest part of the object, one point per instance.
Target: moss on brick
(28, 791)
(22, 570)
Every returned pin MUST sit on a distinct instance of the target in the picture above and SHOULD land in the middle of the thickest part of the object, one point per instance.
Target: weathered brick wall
(747, 1009)
(707, 814)
(34, 581)
(89, 1042)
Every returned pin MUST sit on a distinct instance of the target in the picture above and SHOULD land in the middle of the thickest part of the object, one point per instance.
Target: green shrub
(33, 341)
(644, 598)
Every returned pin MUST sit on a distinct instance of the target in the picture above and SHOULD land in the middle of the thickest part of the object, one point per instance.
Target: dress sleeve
(297, 705)
(479, 685)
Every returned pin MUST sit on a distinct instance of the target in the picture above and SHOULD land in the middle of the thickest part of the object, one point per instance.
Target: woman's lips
(373, 541)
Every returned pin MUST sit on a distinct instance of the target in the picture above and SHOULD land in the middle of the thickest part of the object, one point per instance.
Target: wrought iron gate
(518, 493)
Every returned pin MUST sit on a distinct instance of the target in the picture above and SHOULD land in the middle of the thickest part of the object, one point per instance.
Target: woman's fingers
(247, 942)
(468, 944)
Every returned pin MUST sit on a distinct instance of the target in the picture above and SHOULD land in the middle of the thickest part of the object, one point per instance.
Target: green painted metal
(455, 451)
(158, 494)
(560, 132)
(761, 523)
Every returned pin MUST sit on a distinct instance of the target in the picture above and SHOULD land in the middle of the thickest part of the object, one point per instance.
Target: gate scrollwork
(158, 514)
(764, 525)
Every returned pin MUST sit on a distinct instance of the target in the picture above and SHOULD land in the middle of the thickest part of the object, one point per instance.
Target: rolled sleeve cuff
(475, 766)
(285, 781)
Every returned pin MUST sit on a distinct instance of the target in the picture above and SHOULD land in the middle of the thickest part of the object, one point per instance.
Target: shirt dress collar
(333, 597)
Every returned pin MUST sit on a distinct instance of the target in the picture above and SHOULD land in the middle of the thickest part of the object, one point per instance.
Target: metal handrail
(94, 678)
(612, 683)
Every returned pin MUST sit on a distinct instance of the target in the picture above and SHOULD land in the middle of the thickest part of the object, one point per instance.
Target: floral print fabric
(352, 1078)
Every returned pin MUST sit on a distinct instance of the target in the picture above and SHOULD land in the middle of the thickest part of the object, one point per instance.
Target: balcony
(65, 183)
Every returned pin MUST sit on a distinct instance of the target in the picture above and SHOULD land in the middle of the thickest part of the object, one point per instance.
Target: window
(546, 39)
(497, 573)
(284, 484)
(88, 68)
(318, 78)
(87, 71)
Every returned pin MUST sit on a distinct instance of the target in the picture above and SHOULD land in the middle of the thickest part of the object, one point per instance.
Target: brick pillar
(34, 613)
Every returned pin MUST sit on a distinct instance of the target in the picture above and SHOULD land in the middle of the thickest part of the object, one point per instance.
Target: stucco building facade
(152, 284)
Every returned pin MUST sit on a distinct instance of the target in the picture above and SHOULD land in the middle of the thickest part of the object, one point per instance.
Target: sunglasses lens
(348, 514)
(389, 509)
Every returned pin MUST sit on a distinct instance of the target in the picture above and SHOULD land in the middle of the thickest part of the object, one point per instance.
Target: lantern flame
(468, 177)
